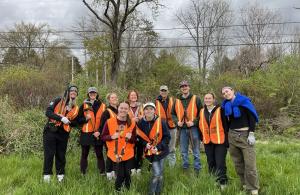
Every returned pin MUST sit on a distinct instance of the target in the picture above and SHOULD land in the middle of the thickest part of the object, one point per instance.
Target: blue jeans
(157, 176)
(184, 146)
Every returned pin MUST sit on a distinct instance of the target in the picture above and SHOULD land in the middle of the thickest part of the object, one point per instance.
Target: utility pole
(72, 69)
(97, 76)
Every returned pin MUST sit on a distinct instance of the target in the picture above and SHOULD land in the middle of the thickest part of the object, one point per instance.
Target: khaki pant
(172, 155)
(244, 159)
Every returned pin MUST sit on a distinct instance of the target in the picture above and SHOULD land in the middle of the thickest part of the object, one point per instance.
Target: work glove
(148, 146)
(251, 138)
(65, 120)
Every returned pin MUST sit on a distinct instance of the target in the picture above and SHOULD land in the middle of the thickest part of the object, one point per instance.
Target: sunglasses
(163, 90)
(183, 86)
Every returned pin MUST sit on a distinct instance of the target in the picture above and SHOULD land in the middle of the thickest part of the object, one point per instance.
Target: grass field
(278, 161)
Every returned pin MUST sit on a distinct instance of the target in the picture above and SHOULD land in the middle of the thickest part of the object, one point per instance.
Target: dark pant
(84, 158)
(123, 173)
(216, 160)
(55, 144)
(138, 158)
(109, 165)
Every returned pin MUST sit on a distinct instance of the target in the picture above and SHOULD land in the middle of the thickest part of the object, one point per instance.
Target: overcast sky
(63, 14)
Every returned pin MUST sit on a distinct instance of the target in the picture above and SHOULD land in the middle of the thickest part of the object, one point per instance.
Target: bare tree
(203, 20)
(138, 55)
(259, 26)
(115, 16)
(26, 43)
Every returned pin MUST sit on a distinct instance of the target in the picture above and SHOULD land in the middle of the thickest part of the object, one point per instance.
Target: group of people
(130, 131)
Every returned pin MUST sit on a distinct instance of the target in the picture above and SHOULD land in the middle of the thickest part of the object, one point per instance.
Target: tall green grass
(277, 160)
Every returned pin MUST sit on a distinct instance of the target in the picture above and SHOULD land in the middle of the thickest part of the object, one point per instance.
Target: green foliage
(84, 83)
(22, 132)
(27, 87)
(165, 71)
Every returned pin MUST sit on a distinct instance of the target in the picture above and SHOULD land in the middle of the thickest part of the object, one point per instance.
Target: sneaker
(254, 192)
(60, 178)
(109, 176)
(223, 187)
(138, 171)
(133, 172)
(113, 173)
(47, 178)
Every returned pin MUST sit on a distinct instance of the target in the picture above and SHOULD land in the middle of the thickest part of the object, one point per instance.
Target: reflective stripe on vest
(138, 113)
(214, 132)
(155, 135)
(72, 114)
(191, 110)
(160, 111)
(111, 113)
(94, 123)
(128, 148)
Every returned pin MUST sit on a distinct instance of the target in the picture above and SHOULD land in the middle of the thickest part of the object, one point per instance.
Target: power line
(162, 47)
(163, 29)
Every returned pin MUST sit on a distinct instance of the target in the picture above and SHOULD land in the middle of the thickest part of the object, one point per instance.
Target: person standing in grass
(214, 131)
(61, 113)
(185, 114)
(120, 135)
(110, 112)
(90, 113)
(242, 118)
(155, 137)
(164, 105)
(136, 113)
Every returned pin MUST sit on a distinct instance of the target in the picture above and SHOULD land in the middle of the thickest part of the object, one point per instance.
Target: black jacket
(51, 115)
(88, 138)
(163, 146)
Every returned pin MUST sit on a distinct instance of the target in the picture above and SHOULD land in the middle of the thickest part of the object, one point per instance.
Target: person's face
(123, 110)
(185, 89)
(164, 93)
(209, 100)
(149, 112)
(73, 94)
(133, 97)
(92, 95)
(228, 93)
(113, 99)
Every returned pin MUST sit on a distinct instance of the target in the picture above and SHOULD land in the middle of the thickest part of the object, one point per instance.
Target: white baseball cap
(149, 104)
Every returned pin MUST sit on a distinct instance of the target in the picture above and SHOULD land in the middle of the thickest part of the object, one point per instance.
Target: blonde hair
(109, 95)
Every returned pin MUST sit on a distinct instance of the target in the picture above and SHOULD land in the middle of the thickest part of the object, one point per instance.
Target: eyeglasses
(182, 86)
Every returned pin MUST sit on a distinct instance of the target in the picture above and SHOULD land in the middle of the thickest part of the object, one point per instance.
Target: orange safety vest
(154, 137)
(214, 132)
(191, 111)
(139, 114)
(72, 114)
(123, 146)
(160, 111)
(111, 113)
(94, 123)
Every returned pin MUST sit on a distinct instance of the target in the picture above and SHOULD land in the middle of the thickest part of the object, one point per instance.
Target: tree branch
(97, 16)
(106, 12)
